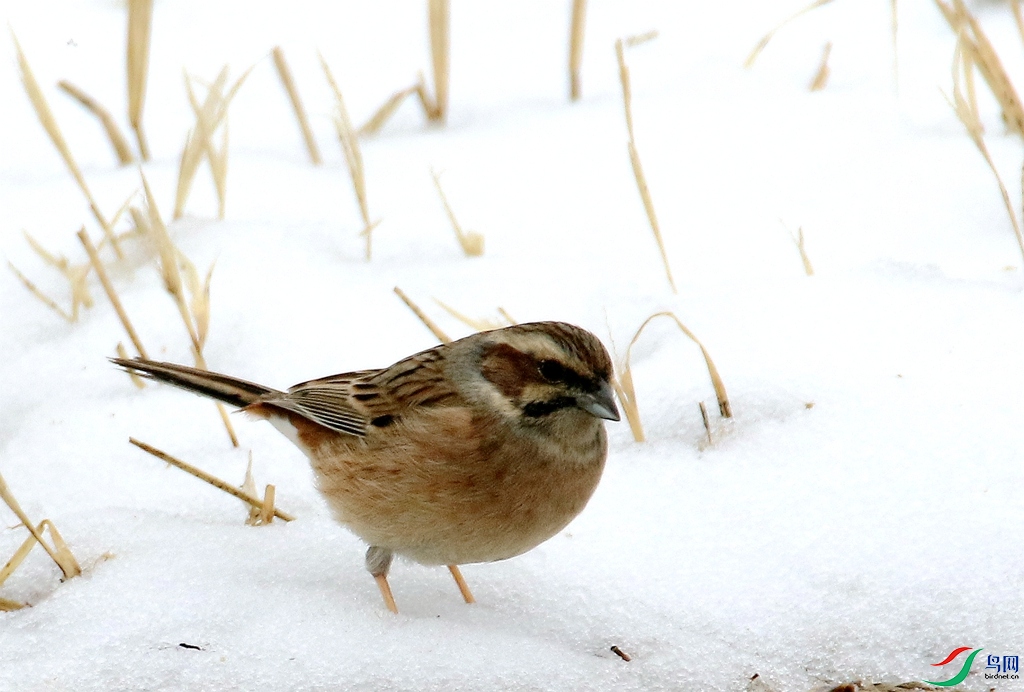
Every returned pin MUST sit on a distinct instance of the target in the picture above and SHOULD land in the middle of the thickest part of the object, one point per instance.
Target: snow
(859, 518)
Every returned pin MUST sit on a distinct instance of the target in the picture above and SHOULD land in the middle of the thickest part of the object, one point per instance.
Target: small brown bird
(473, 451)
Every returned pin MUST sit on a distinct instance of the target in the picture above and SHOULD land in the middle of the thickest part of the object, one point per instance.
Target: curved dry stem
(59, 552)
(626, 392)
(349, 140)
(763, 43)
(634, 156)
(966, 109)
(117, 140)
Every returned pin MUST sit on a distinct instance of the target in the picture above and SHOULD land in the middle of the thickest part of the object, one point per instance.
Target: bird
(473, 451)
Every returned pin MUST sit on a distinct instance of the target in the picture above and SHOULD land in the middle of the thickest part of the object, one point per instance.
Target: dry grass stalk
(634, 156)
(967, 111)
(504, 313)
(60, 547)
(58, 261)
(384, 113)
(34, 290)
(437, 331)
(426, 101)
(257, 516)
(763, 43)
(116, 218)
(140, 222)
(480, 325)
(707, 421)
(626, 391)
(210, 115)
(621, 654)
(19, 556)
(576, 31)
(267, 513)
(219, 169)
(973, 42)
(640, 39)
(353, 156)
(195, 312)
(136, 380)
(1018, 17)
(821, 76)
(169, 269)
(7, 605)
(966, 71)
(300, 112)
(67, 563)
(472, 243)
(252, 500)
(49, 123)
(108, 288)
(439, 12)
(117, 140)
(59, 551)
(199, 305)
(140, 25)
(196, 321)
(76, 275)
(199, 143)
(249, 487)
(798, 240)
(648, 206)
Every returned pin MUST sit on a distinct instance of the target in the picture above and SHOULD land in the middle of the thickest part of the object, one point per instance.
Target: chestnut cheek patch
(508, 369)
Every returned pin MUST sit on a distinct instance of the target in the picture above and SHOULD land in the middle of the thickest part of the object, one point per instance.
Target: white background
(862, 538)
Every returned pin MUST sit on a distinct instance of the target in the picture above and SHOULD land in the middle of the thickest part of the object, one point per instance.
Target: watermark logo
(1003, 667)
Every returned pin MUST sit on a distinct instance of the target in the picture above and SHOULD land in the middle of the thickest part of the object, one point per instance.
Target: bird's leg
(378, 562)
(467, 595)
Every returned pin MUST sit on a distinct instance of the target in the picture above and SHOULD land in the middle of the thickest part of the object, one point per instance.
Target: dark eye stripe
(553, 371)
(537, 409)
(556, 373)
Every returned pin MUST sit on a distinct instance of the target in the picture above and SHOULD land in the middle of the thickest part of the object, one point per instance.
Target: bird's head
(546, 371)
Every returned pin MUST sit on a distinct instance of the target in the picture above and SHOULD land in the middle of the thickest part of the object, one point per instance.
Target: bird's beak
(600, 403)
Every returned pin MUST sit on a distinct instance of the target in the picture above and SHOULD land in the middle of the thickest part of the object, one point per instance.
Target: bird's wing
(351, 402)
(329, 404)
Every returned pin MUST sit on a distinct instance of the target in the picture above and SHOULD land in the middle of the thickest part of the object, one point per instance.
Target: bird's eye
(552, 371)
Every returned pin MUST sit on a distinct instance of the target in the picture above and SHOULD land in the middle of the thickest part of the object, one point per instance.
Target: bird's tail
(230, 390)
